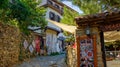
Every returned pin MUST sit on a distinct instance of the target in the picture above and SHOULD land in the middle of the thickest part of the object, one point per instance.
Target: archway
(92, 27)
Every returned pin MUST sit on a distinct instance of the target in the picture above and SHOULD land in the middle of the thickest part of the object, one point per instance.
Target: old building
(54, 35)
(54, 12)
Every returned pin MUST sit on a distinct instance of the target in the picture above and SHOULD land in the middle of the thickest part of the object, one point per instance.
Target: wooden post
(103, 48)
(78, 51)
(95, 51)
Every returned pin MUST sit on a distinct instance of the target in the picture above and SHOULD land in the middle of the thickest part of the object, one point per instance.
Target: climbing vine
(22, 13)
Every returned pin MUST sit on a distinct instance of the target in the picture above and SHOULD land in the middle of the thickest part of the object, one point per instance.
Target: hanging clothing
(37, 42)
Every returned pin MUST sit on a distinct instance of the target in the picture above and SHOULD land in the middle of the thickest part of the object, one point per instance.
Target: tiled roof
(99, 19)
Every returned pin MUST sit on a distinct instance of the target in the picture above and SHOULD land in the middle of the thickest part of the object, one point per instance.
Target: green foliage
(114, 44)
(95, 6)
(117, 42)
(70, 37)
(89, 6)
(23, 13)
(13, 22)
(3, 4)
(108, 44)
(68, 16)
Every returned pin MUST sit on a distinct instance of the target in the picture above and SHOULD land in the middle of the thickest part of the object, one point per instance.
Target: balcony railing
(55, 7)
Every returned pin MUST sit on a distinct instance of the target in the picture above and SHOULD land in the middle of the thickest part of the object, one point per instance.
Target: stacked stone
(71, 57)
(25, 54)
(9, 45)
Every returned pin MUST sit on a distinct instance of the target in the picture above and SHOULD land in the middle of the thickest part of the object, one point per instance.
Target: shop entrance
(92, 27)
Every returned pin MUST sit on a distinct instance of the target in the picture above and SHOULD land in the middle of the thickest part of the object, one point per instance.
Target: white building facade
(54, 12)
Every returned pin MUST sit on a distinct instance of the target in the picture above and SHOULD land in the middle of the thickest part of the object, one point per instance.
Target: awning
(65, 27)
(111, 36)
(108, 36)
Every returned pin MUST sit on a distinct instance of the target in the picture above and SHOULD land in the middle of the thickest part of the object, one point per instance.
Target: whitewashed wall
(51, 25)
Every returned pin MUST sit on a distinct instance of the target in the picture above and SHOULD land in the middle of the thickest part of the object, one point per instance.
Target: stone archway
(93, 26)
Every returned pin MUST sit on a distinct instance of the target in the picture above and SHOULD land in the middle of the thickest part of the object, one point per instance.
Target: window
(49, 2)
(57, 18)
(56, 6)
(61, 10)
(51, 15)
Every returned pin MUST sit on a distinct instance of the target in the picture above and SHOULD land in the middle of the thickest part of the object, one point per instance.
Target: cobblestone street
(45, 61)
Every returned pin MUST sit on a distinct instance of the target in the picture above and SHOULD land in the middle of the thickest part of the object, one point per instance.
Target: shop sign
(86, 53)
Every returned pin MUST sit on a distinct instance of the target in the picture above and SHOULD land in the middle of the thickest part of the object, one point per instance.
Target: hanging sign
(25, 43)
(31, 48)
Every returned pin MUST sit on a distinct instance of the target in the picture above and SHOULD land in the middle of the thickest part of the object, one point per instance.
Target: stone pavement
(113, 63)
(45, 61)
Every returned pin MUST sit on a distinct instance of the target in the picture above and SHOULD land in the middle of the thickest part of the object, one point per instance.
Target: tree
(68, 16)
(4, 10)
(24, 12)
(95, 6)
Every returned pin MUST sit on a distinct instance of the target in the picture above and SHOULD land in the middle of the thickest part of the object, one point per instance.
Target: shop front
(90, 38)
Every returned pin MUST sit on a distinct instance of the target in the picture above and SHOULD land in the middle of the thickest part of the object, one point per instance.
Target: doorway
(111, 48)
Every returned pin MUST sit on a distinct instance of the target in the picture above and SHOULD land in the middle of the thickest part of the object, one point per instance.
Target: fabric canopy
(108, 36)
(111, 36)
(65, 27)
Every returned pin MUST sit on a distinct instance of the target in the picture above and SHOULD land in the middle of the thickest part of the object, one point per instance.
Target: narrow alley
(45, 61)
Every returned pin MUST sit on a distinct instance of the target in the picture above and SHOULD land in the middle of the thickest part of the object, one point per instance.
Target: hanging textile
(25, 43)
(37, 42)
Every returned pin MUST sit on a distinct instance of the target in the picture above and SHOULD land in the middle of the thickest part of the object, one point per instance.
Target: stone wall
(9, 45)
(12, 49)
(25, 53)
(71, 56)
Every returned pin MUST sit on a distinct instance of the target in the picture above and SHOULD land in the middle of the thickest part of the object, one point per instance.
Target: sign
(86, 53)
(31, 48)
(25, 43)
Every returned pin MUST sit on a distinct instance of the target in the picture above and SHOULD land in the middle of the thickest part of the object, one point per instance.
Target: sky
(69, 3)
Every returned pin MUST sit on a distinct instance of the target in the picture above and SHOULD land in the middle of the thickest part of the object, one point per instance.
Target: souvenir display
(31, 48)
(33, 43)
(37, 44)
(25, 43)
(86, 53)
